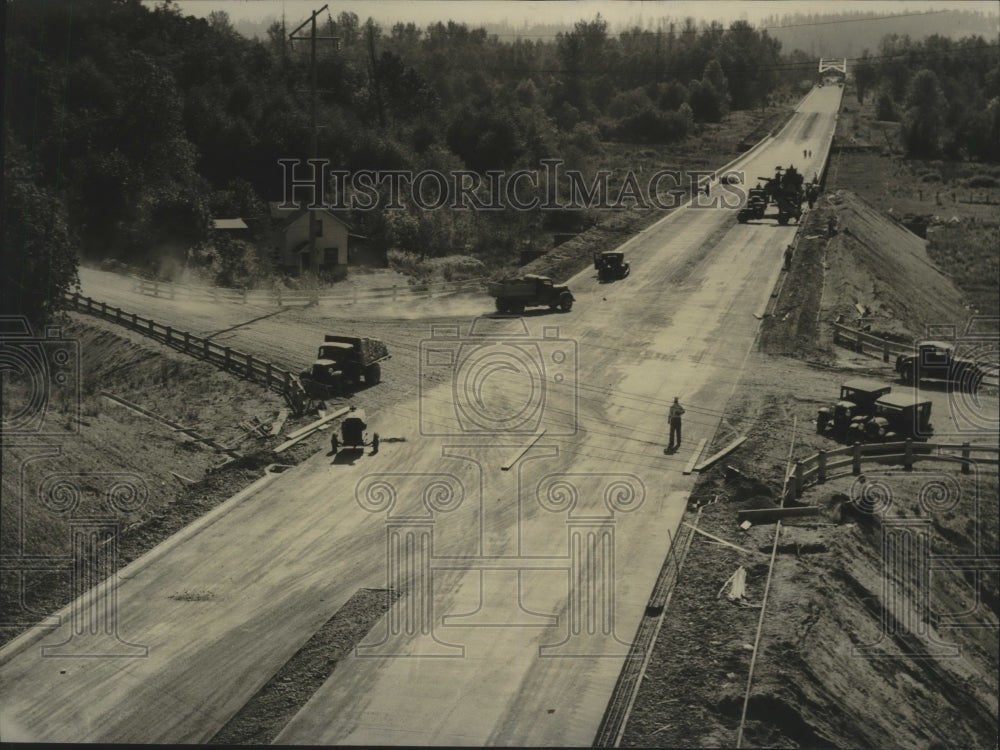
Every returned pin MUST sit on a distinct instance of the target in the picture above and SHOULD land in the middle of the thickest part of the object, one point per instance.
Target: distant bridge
(825, 65)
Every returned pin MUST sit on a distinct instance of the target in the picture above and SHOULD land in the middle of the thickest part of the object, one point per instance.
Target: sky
(518, 13)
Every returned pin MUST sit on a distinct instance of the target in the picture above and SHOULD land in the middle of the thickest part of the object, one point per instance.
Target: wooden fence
(828, 464)
(280, 298)
(866, 343)
(231, 360)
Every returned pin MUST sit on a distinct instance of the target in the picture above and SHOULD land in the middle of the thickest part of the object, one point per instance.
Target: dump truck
(513, 295)
(857, 402)
(611, 265)
(342, 363)
(936, 360)
(783, 190)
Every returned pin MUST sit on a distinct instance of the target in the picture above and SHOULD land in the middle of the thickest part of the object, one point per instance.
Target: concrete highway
(526, 514)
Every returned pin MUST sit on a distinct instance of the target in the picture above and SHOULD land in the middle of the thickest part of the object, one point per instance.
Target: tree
(924, 118)
(865, 76)
(39, 256)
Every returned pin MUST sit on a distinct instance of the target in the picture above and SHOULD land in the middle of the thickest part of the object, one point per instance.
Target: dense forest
(128, 128)
(945, 93)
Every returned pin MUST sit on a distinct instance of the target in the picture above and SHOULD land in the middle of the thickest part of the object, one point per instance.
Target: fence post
(104, 309)
(169, 332)
(288, 382)
(965, 458)
(856, 460)
(821, 467)
(908, 455)
(151, 327)
(187, 340)
(118, 315)
(798, 479)
(885, 350)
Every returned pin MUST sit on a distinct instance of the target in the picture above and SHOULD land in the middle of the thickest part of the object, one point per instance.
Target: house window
(317, 227)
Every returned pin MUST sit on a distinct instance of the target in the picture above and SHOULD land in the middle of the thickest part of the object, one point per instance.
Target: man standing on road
(674, 417)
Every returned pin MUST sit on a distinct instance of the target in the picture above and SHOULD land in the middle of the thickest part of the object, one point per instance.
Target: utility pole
(313, 147)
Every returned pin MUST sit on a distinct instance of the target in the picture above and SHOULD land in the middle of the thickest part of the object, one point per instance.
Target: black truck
(341, 364)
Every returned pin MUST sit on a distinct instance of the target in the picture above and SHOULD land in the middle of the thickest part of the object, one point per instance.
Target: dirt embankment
(109, 462)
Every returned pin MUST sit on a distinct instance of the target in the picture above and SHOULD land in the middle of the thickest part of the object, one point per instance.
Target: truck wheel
(782, 219)
(565, 303)
(907, 375)
(517, 307)
(373, 374)
(742, 217)
(501, 305)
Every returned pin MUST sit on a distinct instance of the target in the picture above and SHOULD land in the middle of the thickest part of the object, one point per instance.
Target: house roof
(229, 224)
(288, 216)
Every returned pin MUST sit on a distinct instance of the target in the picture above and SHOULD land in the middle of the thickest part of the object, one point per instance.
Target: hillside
(876, 262)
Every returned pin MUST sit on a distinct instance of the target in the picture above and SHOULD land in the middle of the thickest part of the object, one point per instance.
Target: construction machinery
(352, 433)
(783, 190)
(936, 360)
(611, 265)
(513, 295)
(858, 397)
(342, 363)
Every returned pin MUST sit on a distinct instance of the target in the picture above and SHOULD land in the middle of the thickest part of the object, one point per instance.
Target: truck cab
(857, 402)
(936, 360)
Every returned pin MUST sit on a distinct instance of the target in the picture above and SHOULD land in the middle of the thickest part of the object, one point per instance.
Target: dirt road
(525, 506)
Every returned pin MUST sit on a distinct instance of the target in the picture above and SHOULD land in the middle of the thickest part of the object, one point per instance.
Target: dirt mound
(876, 263)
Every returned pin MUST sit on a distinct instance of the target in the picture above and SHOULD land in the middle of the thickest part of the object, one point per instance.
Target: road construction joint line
(522, 451)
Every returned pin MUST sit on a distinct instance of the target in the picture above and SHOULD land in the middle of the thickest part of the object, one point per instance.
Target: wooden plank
(728, 449)
(718, 539)
(770, 515)
(279, 422)
(173, 425)
(694, 456)
(310, 429)
(313, 426)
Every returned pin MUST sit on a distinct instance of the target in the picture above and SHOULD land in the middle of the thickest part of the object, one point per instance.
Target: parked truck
(342, 363)
(936, 360)
(513, 295)
(897, 416)
(857, 402)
